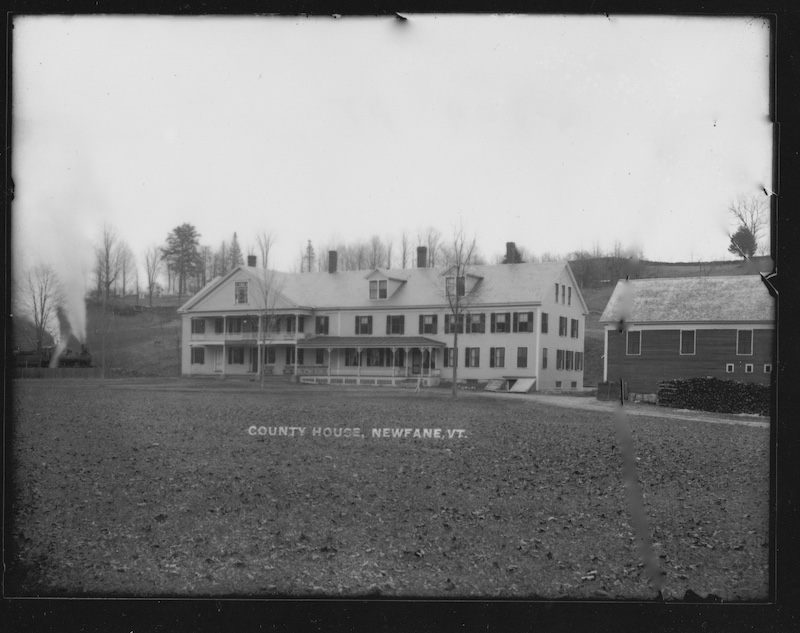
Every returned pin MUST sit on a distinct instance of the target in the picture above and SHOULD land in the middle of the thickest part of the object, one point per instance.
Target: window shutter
(421, 324)
(369, 325)
(301, 323)
(447, 324)
(402, 325)
(483, 324)
(530, 322)
(493, 322)
(388, 324)
(466, 357)
(435, 317)
(516, 322)
(508, 320)
(357, 331)
(491, 356)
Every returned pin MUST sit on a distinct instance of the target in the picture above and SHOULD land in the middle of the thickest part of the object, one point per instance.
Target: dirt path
(652, 411)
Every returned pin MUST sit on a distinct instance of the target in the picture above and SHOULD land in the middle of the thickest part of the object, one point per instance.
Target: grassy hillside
(145, 342)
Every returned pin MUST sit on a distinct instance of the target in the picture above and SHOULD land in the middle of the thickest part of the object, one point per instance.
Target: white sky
(554, 132)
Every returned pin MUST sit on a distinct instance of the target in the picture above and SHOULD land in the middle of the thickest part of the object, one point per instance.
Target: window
(234, 325)
(319, 356)
(559, 359)
(198, 326)
(219, 325)
(449, 357)
(729, 368)
(321, 325)
(523, 321)
(544, 358)
(236, 355)
(301, 356)
(476, 324)
(198, 356)
(558, 384)
(569, 296)
(273, 324)
(562, 326)
(633, 344)
(240, 292)
(378, 289)
(570, 360)
(556, 293)
(767, 368)
(290, 355)
(428, 360)
(522, 357)
(573, 384)
(574, 324)
(400, 358)
(472, 357)
(452, 287)
(497, 357)
(363, 325)
(563, 294)
(687, 341)
(301, 323)
(395, 324)
(578, 361)
(351, 357)
(744, 342)
(544, 322)
(501, 322)
(291, 322)
(450, 320)
(249, 324)
(270, 354)
(428, 323)
(748, 368)
(376, 357)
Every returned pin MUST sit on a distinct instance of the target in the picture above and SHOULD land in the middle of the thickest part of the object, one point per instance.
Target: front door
(416, 361)
(218, 353)
(253, 359)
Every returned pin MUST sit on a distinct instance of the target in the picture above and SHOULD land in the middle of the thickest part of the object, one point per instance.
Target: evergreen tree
(181, 253)
(743, 243)
(235, 253)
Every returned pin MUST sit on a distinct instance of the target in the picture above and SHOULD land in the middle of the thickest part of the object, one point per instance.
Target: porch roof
(370, 341)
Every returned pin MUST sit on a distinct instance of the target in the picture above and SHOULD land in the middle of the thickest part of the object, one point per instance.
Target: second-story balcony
(269, 338)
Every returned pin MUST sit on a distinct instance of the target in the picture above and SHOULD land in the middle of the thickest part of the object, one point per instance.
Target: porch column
(358, 363)
(394, 353)
(430, 363)
(296, 351)
(224, 357)
(329, 364)
(405, 361)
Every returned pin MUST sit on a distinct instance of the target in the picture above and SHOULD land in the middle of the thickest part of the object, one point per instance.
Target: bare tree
(376, 252)
(107, 261)
(39, 295)
(152, 266)
(269, 287)
(460, 292)
(752, 211)
(389, 247)
(405, 247)
(127, 265)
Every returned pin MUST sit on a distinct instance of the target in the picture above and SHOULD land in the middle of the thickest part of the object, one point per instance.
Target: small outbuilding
(665, 329)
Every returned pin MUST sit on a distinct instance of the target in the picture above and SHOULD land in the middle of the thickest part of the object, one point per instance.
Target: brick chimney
(333, 260)
(511, 253)
(422, 257)
(251, 261)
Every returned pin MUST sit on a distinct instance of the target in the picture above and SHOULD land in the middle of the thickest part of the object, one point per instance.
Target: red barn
(663, 329)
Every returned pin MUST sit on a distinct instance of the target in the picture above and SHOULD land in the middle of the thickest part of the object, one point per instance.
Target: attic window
(240, 292)
(687, 342)
(634, 344)
(377, 289)
(744, 342)
(461, 287)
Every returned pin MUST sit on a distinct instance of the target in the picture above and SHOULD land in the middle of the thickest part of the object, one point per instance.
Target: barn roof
(690, 300)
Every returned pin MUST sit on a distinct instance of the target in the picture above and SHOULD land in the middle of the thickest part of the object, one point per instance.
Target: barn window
(633, 344)
(767, 368)
(687, 341)
(748, 368)
(729, 368)
(744, 342)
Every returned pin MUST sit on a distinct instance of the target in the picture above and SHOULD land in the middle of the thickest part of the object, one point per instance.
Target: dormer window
(378, 289)
(240, 292)
(453, 287)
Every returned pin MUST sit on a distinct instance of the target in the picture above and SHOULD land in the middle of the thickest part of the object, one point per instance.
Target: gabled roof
(501, 284)
(385, 273)
(690, 300)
